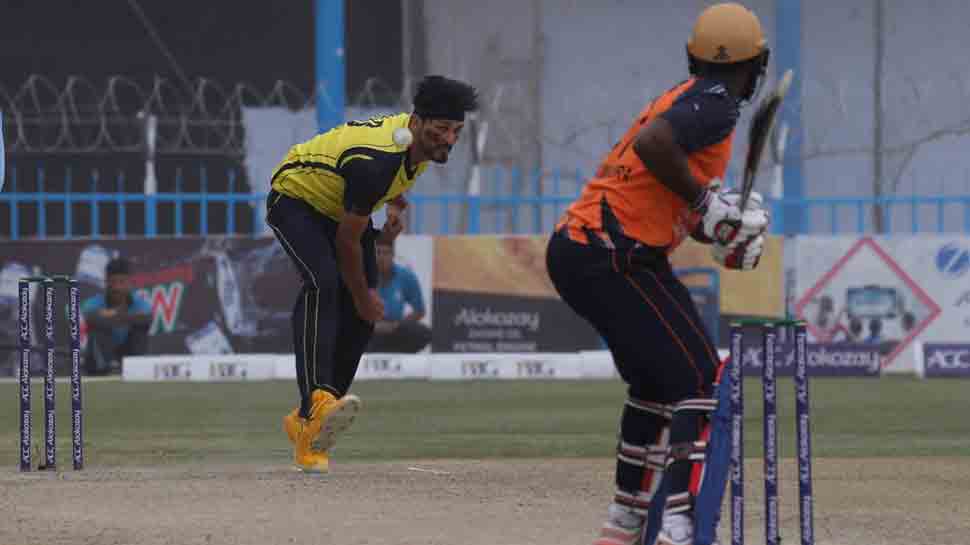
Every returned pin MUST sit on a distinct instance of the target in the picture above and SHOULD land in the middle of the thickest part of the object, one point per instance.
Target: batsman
(608, 259)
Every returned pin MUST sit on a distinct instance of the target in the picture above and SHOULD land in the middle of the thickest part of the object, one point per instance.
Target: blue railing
(514, 202)
(46, 214)
(706, 296)
(906, 214)
(430, 214)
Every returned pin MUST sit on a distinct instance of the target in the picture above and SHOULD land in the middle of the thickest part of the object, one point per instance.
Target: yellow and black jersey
(355, 167)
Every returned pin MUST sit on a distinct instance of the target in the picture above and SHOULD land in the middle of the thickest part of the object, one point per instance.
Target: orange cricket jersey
(626, 201)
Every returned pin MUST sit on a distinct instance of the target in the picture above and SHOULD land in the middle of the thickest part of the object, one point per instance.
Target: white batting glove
(755, 200)
(754, 219)
(743, 257)
(720, 219)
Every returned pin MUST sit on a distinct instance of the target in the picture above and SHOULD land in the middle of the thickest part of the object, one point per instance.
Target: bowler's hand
(394, 224)
(370, 307)
(399, 202)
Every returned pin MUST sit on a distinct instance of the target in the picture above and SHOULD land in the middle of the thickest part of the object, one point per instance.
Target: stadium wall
(904, 298)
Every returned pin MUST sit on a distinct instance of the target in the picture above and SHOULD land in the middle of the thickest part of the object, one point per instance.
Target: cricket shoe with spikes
(335, 415)
(304, 458)
(623, 526)
(312, 437)
(678, 529)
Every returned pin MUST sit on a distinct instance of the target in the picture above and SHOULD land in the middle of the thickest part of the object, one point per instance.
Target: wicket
(769, 329)
(49, 284)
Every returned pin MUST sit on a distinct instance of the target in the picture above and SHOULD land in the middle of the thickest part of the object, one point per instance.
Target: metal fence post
(68, 203)
(95, 230)
(122, 229)
(41, 205)
(203, 202)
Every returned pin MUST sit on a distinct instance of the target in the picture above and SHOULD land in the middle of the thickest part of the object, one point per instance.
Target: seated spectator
(875, 331)
(855, 330)
(117, 322)
(399, 288)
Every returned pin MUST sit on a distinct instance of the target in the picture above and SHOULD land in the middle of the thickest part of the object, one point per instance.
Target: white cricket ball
(402, 136)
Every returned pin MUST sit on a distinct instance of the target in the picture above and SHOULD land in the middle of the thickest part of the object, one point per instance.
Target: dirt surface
(495, 502)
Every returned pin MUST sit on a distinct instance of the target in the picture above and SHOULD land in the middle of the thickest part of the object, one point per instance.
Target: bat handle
(745, 197)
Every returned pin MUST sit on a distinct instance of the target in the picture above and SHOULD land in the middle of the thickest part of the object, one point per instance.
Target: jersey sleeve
(139, 305)
(412, 292)
(92, 305)
(365, 184)
(702, 119)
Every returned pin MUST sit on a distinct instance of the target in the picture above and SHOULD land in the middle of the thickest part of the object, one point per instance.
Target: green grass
(156, 424)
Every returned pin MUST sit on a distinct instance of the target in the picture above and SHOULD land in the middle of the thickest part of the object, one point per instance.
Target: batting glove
(754, 219)
(720, 219)
(743, 257)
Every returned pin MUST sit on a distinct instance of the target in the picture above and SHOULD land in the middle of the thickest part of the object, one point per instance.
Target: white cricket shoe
(623, 526)
(678, 529)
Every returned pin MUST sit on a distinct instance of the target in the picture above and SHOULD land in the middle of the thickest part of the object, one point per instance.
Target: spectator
(875, 331)
(117, 322)
(398, 286)
(855, 330)
(909, 322)
(826, 308)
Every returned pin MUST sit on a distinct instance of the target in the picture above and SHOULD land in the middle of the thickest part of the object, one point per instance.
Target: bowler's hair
(439, 97)
(118, 265)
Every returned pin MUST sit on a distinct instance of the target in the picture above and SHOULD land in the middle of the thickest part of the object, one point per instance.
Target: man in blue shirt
(117, 322)
(875, 331)
(401, 329)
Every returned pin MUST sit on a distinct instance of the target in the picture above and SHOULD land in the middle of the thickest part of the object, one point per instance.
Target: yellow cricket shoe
(329, 417)
(309, 461)
(292, 425)
(299, 431)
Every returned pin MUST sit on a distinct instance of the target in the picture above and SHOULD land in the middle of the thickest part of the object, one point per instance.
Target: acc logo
(952, 260)
(949, 359)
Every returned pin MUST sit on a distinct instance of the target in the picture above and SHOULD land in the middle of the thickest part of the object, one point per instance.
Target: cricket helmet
(725, 34)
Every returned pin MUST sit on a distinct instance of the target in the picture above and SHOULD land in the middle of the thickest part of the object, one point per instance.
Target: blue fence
(706, 296)
(519, 209)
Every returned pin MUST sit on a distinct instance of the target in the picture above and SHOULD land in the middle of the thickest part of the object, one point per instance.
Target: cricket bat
(759, 132)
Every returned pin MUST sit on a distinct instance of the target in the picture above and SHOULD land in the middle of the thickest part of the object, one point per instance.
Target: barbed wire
(81, 116)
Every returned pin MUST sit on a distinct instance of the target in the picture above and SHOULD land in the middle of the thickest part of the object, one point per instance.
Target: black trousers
(645, 315)
(329, 336)
(407, 338)
(652, 328)
(103, 355)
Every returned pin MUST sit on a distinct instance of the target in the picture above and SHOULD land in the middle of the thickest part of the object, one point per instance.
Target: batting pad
(695, 451)
(707, 504)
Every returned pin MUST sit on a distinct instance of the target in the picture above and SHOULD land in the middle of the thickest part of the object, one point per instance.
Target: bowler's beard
(440, 154)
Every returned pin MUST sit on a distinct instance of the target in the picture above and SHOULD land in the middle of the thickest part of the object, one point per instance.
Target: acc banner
(492, 294)
(885, 292)
(943, 360)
